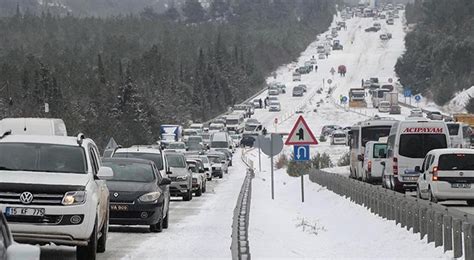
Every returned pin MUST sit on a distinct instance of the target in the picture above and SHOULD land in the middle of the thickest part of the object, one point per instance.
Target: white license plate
(36, 212)
(461, 185)
(410, 178)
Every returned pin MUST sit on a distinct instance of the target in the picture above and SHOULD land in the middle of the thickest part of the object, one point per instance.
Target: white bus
(361, 133)
(407, 145)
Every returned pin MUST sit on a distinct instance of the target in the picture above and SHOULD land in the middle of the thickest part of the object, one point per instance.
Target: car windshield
(374, 133)
(250, 127)
(190, 132)
(204, 159)
(176, 146)
(456, 162)
(194, 147)
(215, 158)
(154, 157)
(453, 129)
(38, 157)
(176, 160)
(192, 166)
(219, 144)
(358, 94)
(215, 127)
(130, 171)
(418, 145)
(232, 121)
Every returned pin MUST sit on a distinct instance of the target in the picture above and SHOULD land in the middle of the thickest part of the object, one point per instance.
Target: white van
(361, 133)
(235, 122)
(384, 107)
(378, 96)
(460, 134)
(375, 153)
(33, 126)
(447, 174)
(408, 143)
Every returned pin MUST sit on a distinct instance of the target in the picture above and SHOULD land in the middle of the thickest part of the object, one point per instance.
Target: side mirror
(360, 157)
(417, 169)
(165, 181)
(201, 171)
(169, 172)
(105, 172)
(21, 251)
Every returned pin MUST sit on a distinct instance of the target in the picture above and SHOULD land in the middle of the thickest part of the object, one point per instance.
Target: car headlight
(150, 197)
(182, 178)
(74, 198)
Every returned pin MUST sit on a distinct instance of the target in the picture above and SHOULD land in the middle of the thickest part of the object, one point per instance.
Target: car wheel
(188, 196)
(166, 219)
(418, 192)
(221, 176)
(204, 187)
(199, 192)
(101, 244)
(88, 252)
(158, 227)
(230, 163)
(431, 197)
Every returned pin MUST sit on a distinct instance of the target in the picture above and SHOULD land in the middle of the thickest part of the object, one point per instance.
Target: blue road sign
(301, 152)
(407, 93)
(417, 98)
(344, 99)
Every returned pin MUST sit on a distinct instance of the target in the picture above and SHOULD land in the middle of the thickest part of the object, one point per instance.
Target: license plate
(119, 207)
(36, 212)
(410, 178)
(461, 185)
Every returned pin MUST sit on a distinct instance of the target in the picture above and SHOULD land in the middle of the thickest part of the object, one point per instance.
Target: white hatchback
(447, 174)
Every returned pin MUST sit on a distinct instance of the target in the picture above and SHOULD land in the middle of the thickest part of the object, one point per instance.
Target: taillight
(395, 166)
(435, 173)
(369, 166)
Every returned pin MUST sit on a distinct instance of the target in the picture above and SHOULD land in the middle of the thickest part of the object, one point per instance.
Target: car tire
(88, 252)
(188, 196)
(230, 163)
(221, 176)
(204, 187)
(166, 219)
(199, 192)
(431, 197)
(470, 202)
(158, 227)
(102, 243)
(418, 192)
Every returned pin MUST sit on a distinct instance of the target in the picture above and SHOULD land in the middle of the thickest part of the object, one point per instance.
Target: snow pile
(324, 226)
(460, 100)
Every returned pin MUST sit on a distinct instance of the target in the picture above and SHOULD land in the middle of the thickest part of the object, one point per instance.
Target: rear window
(154, 157)
(418, 145)
(374, 133)
(453, 129)
(340, 135)
(456, 162)
(131, 171)
(380, 151)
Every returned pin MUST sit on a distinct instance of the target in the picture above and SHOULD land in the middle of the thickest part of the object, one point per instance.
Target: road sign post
(301, 137)
(417, 99)
(271, 166)
(271, 147)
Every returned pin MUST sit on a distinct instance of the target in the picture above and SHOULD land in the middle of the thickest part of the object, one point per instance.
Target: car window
(176, 160)
(380, 149)
(155, 157)
(424, 164)
(131, 171)
(36, 157)
(418, 145)
(95, 166)
(453, 162)
(453, 129)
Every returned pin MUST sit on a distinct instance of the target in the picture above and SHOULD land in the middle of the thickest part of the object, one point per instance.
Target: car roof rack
(80, 138)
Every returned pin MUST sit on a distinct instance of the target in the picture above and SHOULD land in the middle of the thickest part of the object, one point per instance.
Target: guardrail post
(409, 216)
(438, 229)
(415, 218)
(457, 238)
(423, 221)
(448, 233)
(430, 225)
(397, 211)
(403, 214)
(466, 229)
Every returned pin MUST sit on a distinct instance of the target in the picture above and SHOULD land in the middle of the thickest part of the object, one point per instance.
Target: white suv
(51, 191)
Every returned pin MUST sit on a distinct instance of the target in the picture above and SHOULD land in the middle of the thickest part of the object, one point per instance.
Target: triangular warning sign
(301, 134)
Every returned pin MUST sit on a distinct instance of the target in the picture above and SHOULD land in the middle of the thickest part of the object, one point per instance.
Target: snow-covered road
(327, 225)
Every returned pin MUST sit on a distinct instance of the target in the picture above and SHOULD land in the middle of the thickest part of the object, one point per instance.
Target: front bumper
(55, 226)
(180, 188)
(136, 214)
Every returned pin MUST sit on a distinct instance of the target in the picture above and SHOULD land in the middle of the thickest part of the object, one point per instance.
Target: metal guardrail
(240, 240)
(445, 226)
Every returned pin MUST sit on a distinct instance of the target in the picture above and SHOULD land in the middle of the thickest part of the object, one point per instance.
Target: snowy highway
(285, 227)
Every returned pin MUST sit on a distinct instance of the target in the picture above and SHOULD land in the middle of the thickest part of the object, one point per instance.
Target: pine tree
(193, 11)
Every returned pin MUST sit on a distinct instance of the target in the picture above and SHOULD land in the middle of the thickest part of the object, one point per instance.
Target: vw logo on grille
(116, 194)
(26, 197)
(461, 174)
